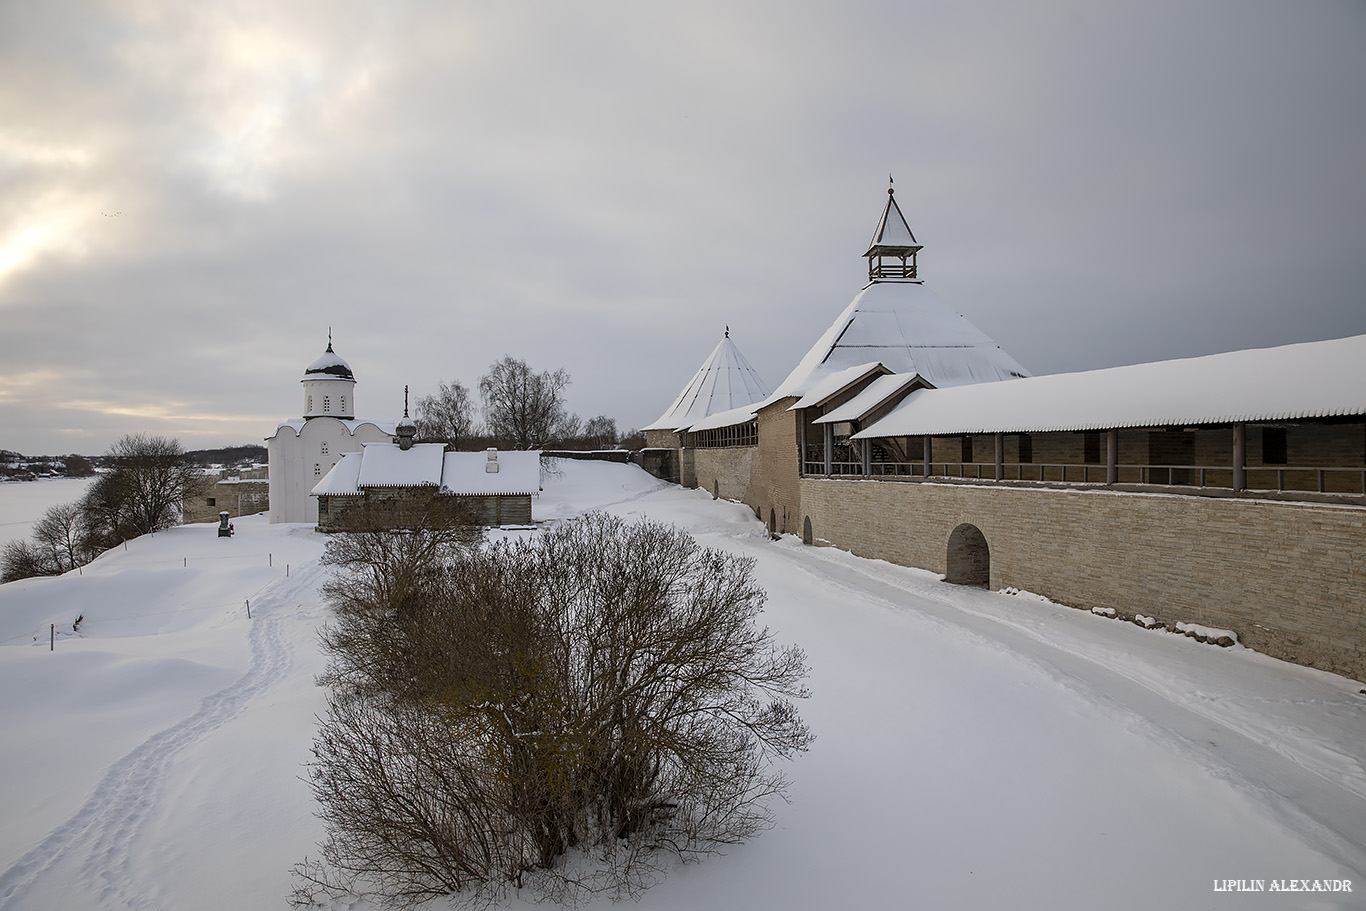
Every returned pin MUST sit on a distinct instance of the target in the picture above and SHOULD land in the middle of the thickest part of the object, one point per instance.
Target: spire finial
(728, 332)
(405, 400)
(891, 184)
(329, 339)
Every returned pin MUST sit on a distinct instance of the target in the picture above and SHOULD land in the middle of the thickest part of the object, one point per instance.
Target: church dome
(329, 365)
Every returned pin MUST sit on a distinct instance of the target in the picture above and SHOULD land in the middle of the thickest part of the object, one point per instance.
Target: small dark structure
(225, 529)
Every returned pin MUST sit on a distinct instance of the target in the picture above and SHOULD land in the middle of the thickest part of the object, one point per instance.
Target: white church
(303, 450)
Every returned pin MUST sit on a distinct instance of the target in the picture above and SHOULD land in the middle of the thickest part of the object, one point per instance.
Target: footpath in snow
(975, 749)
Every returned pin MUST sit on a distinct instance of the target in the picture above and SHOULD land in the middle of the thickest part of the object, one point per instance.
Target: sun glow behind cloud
(51, 220)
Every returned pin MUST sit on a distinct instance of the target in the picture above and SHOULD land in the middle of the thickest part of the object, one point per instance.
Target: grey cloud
(605, 187)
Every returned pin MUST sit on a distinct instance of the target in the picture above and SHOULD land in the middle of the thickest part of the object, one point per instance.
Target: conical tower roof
(724, 381)
(897, 322)
(908, 329)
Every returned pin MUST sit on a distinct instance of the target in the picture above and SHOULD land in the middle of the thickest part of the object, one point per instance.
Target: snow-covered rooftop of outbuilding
(463, 474)
(429, 465)
(908, 329)
(1307, 380)
(877, 392)
(724, 381)
(386, 465)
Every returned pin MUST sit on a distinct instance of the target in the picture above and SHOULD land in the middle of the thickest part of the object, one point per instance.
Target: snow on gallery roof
(834, 383)
(1308, 380)
(429, 465)
(742, 415)
(724, 381)
(329, 365)
(908, 329)
(877, 392)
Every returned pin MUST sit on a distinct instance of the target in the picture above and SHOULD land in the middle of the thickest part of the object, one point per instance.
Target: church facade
(303, 450)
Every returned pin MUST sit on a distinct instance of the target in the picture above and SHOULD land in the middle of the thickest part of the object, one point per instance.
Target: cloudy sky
(192, 193)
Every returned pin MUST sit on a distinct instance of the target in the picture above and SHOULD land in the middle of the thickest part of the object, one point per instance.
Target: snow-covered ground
(975, 749)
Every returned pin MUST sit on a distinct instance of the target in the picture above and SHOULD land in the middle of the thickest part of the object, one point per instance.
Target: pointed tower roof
(724, 381)
(891, 252)
(898, 322)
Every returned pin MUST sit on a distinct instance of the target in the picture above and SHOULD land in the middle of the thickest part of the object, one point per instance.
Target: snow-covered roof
(465, 474)
(892, 230)
(341, 480)
(379, 465)
(386, 465)
(908, 329)
(329, 365)
(1308, 380)
(877, 392)
(834, 383)
(723, 382)
(351, 424)
(742, 415)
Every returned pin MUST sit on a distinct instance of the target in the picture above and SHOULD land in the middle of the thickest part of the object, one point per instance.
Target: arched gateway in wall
(969, 560)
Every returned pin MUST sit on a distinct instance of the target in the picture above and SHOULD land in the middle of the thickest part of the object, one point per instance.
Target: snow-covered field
(23, 502)
(975, 749)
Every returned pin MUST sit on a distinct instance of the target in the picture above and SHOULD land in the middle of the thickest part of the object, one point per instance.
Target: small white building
(303, 450)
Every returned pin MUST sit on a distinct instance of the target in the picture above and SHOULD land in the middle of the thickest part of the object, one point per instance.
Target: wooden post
(248, 608)
(867, 452)
(1000, 457)
(52, 638)
(829, 446)
(1240, 457)
(929, 454)
(1112, 456)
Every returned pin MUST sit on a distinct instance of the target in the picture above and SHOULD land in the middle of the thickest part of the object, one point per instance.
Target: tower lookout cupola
(891, 255)
(329, 387)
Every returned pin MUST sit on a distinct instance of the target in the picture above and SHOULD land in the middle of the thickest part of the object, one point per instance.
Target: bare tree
(522, 407)
(142, 490)
(63, 533)
(61, 542)
(570, 711)
(600, 432)
(447, 415)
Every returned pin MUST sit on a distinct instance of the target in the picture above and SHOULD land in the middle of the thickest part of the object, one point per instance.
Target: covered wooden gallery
(1290, 418)
(392, 486)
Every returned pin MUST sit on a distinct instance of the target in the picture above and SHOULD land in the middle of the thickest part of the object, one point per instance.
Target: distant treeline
(249, 454)
(15, 466)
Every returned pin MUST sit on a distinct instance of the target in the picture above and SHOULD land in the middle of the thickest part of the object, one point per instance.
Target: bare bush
(571, 713)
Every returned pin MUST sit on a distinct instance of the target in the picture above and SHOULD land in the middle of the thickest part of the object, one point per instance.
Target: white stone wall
(298, 462)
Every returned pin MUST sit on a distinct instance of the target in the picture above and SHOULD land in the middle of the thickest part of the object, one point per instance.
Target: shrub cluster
(563, 714)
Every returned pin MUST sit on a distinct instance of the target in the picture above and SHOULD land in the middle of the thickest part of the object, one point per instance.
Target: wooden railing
(1312, 478)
